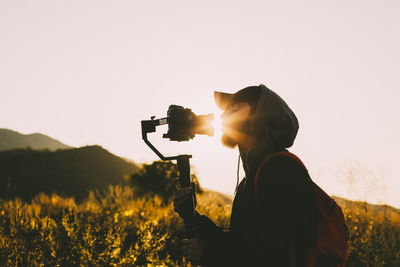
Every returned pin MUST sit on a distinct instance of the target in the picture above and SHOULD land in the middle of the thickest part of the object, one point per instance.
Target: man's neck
(243, 150)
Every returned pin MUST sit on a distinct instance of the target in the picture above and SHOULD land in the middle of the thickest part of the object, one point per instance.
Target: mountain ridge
(69, 172)
(10, 139)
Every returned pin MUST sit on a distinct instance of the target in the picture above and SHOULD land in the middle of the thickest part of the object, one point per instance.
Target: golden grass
(117, 229)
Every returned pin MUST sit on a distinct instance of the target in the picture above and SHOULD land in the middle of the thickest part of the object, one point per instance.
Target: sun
(209, 107)
(217, 124)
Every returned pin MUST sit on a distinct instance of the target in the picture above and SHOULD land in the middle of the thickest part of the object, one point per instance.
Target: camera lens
(203, 124)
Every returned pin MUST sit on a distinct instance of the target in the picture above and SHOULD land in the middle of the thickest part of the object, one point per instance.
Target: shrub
(157, 179)
(117, 228)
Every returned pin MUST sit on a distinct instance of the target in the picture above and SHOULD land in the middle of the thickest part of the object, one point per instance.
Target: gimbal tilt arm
(149, 126)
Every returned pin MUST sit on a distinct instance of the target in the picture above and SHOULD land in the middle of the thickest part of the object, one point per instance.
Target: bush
(157, 179)
(117, 228)
(373, 240)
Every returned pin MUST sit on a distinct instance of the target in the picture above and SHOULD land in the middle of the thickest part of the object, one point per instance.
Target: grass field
(115, 228)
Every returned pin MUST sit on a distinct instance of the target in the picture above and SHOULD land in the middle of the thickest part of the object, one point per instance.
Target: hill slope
(72, 172)
(379, 212)
(374, 210)
(13, 140)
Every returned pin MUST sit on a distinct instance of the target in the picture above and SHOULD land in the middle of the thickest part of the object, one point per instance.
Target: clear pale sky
(87, 72)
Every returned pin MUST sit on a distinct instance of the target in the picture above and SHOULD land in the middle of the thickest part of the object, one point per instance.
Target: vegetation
(157, 179)
(110, 229)
(124, 225)
(374, 234)
(25, 173)
(116, 228)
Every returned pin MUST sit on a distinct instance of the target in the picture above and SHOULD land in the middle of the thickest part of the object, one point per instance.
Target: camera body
(183, 124)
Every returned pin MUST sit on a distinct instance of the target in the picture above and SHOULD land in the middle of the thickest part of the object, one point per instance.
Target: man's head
(258, 119)
(239, 110)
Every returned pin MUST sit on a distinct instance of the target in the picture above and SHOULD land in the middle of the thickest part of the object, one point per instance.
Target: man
(273, 218)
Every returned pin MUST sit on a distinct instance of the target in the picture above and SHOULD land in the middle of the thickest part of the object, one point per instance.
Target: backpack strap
(280, 153)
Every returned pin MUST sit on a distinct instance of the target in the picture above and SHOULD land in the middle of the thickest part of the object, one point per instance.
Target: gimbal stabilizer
(183, 125)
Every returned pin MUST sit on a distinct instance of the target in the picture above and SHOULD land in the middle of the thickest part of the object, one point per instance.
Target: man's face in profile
(235, 124)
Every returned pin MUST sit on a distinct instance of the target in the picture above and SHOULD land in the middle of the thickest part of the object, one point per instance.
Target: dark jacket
(276, 228)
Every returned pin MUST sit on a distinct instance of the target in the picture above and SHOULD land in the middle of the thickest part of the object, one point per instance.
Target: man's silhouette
(273, 218)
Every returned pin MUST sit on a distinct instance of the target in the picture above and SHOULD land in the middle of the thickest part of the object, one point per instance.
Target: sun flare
(217, 125)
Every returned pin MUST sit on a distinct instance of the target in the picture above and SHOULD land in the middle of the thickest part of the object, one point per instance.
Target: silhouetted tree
(157, 179)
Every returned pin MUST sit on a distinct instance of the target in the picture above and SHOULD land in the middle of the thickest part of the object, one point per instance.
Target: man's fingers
(192, 249)
(182, 196)
(178, 204)
(183, 193)
(175, 186)
(187, 246)
(189, 243)
(186, 241)
(180, 201)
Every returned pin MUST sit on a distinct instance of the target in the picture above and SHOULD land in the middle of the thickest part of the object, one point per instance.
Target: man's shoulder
(282, 162)
(282, 170)
(282, 176)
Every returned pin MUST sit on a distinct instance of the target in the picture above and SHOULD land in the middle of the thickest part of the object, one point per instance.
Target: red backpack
(330, 240)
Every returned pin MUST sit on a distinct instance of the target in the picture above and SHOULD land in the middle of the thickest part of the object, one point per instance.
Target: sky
(87, 72)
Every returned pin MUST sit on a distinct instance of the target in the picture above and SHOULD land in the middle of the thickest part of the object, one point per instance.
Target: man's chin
(228, 142)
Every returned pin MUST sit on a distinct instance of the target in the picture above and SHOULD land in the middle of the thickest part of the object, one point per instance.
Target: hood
(274, 126)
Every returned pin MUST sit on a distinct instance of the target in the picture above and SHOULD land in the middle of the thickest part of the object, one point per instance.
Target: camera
(183, 124)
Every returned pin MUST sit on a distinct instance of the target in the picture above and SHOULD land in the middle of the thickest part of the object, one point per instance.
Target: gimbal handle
(185, 180)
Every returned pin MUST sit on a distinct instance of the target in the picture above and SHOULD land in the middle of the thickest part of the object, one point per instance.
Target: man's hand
(193, 249)
(182, 196)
